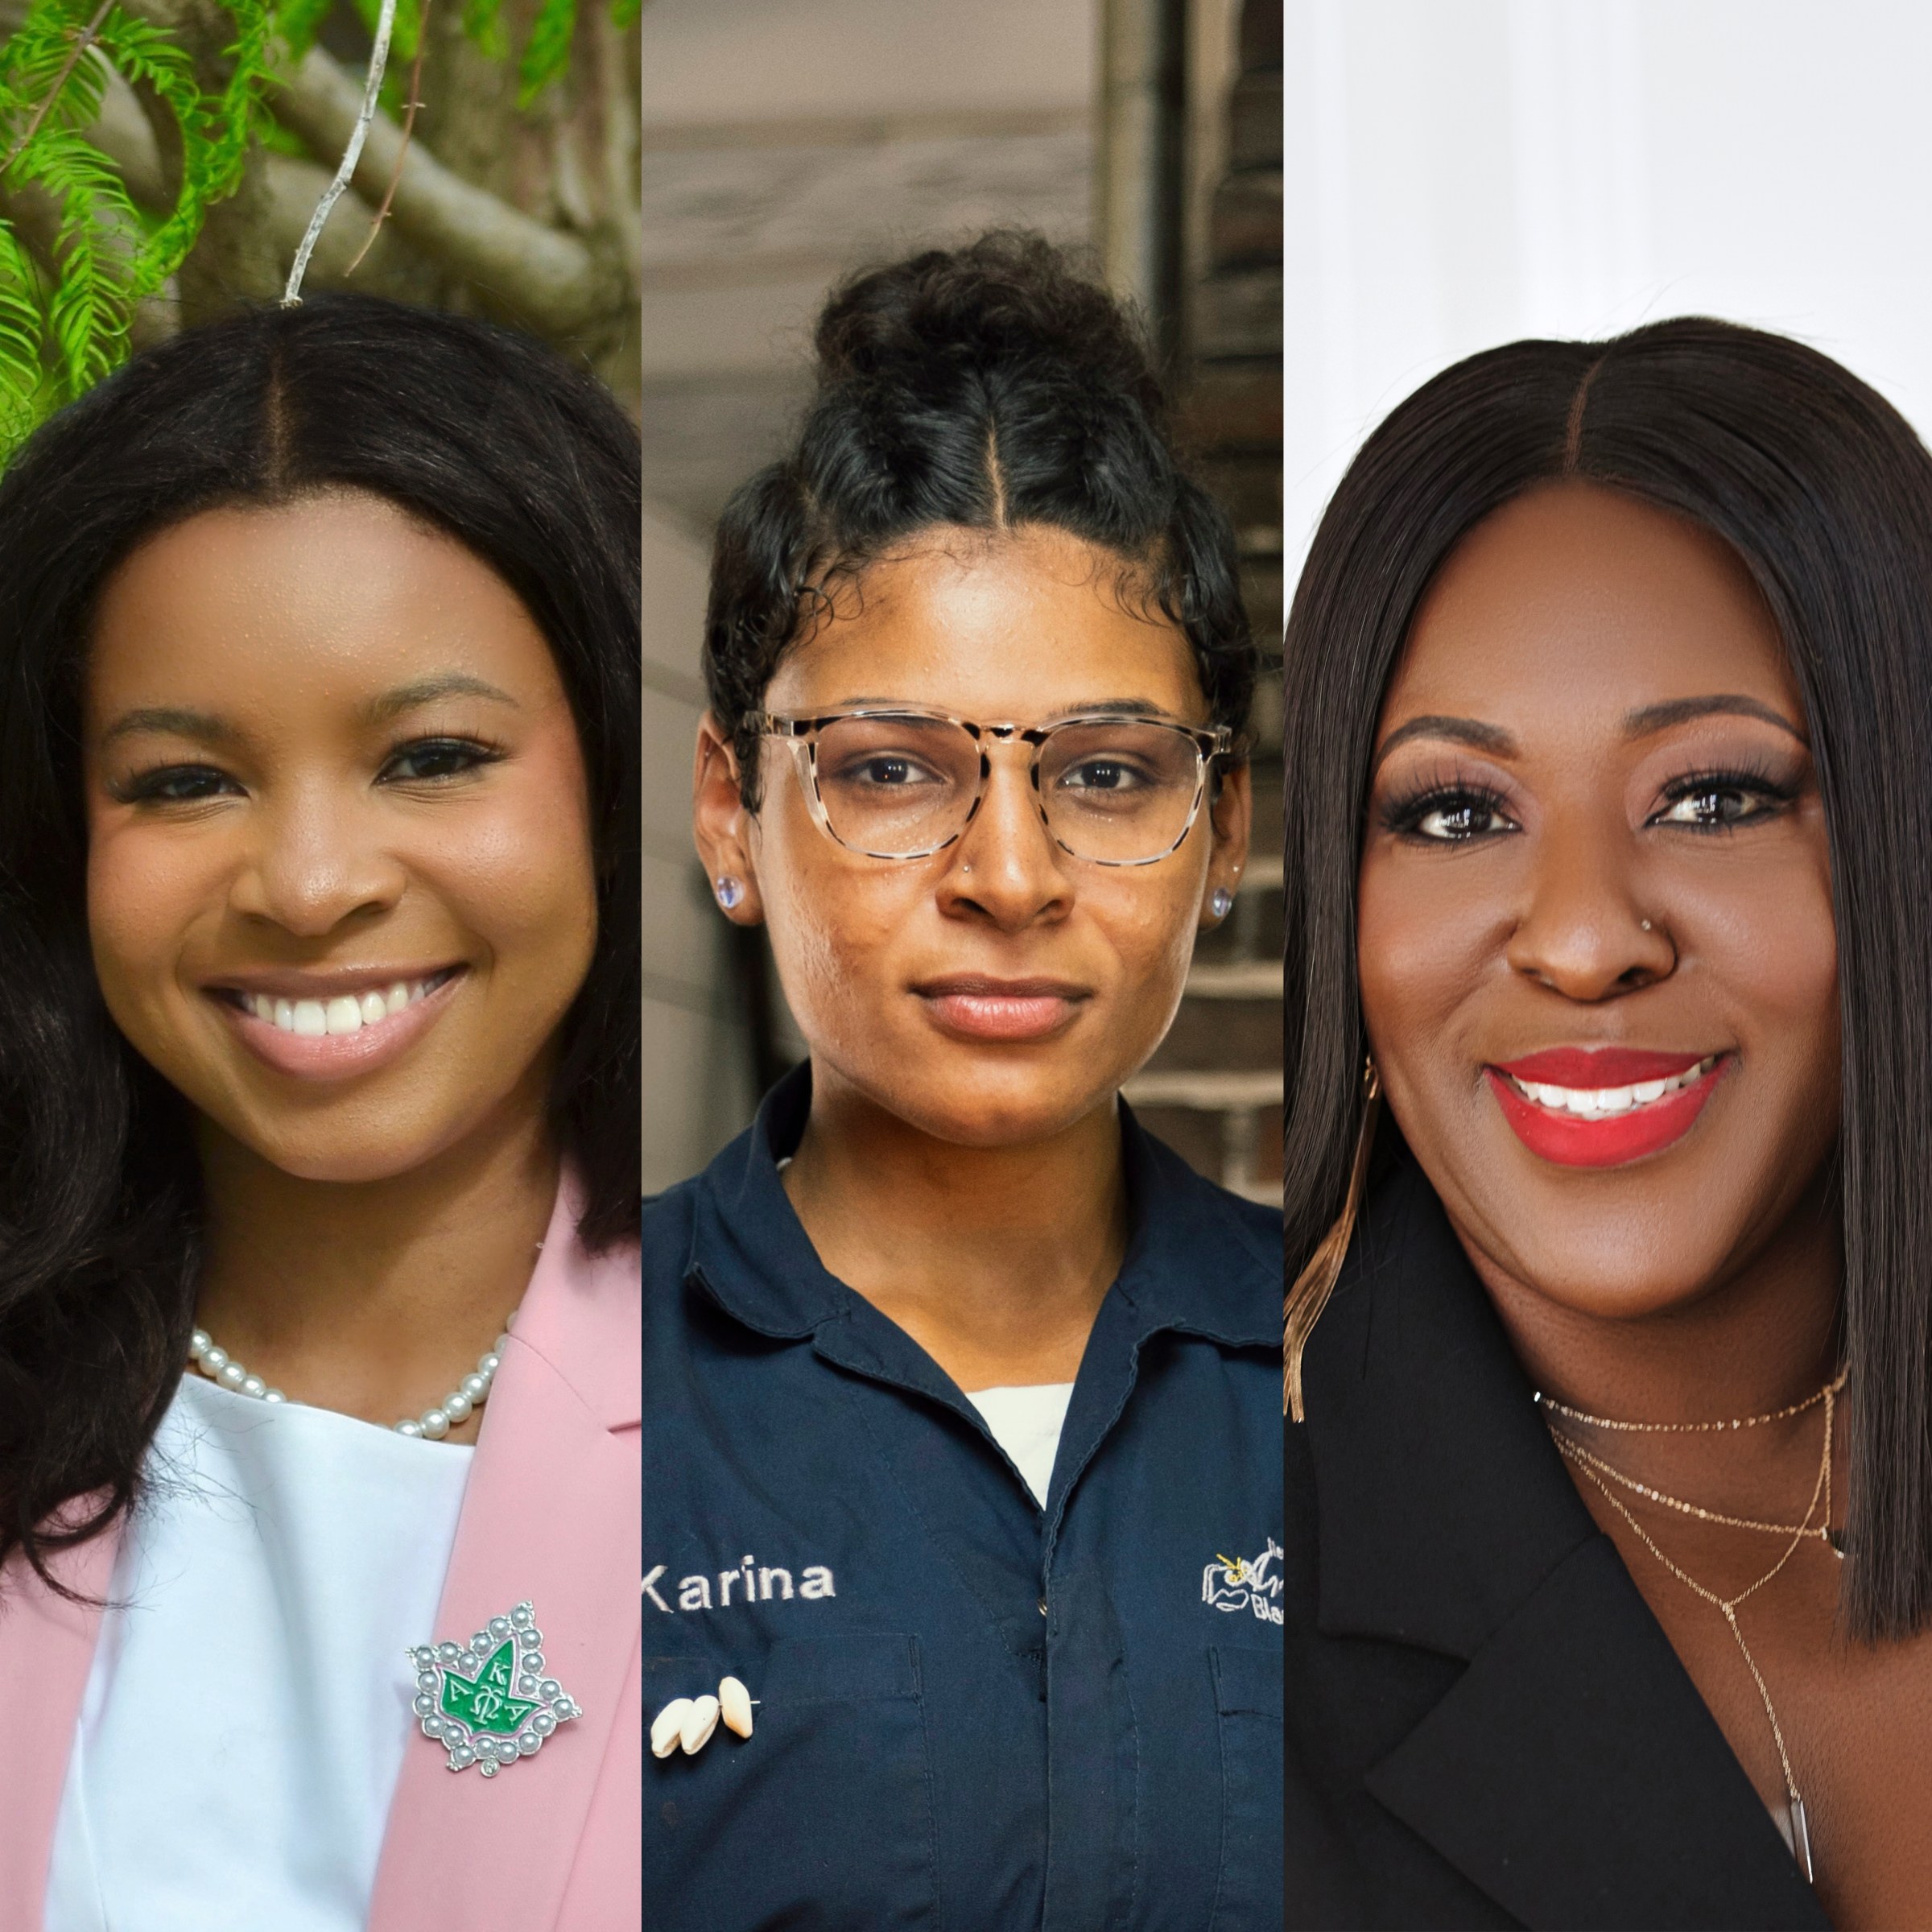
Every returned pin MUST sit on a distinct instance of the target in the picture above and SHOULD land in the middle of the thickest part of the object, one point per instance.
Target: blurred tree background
(161, 159)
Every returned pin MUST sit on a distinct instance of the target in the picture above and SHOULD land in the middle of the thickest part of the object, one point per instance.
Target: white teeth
(347, 1013)
(1604, 1103)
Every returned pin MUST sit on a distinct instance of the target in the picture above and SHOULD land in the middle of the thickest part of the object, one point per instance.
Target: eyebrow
(427, 691)
(178, 723)
(1681, 711)
(1640, 724)
(1136, 707)
(1471, 732)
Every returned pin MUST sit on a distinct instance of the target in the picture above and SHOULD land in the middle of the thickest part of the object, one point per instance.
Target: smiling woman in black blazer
(1610, 1173)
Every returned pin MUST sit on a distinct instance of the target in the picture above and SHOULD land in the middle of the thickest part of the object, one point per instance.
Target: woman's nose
(1583, 930)
(1006, 864)
(313, 863)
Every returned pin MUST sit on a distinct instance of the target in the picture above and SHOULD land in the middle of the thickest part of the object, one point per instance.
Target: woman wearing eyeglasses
(962, 1528)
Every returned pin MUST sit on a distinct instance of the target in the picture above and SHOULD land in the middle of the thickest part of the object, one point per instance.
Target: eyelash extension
(1746, 776)
(1406, 810)
(1752, 778)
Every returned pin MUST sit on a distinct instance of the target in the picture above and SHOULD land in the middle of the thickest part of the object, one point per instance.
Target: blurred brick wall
(1214, 1091)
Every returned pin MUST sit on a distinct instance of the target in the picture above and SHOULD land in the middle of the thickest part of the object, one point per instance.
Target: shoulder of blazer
(47, 1648)
(1550, 1747)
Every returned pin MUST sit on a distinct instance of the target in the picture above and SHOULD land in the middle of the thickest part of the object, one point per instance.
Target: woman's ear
(720, 825)
(1231, 819)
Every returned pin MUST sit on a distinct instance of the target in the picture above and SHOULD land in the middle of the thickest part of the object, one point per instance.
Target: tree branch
(552, 282)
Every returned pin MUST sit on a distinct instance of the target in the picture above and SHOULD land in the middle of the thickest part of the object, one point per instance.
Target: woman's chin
(996, 1113)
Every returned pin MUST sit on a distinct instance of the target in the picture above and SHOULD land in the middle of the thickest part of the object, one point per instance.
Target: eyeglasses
(893, 784)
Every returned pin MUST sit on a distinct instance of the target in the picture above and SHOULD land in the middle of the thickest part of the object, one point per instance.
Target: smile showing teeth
(348, 1012)
(1606, 1103)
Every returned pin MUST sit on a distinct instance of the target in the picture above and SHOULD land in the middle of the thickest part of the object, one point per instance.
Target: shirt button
(1042, 1606)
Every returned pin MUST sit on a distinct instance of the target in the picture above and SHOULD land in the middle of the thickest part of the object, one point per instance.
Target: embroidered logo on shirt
(1246, 1583)
(748, 1582)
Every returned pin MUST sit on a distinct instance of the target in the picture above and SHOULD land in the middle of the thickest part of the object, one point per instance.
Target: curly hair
(986, 387)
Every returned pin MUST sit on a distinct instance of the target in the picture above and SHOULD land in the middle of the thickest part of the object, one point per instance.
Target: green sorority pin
(489, 1703)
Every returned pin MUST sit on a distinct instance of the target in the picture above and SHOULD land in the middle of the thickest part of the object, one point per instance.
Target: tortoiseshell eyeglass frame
(800, 734)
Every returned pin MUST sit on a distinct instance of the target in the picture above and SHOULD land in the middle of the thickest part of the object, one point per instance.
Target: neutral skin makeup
(341, 895)
(972, 1015)
(1598, 968)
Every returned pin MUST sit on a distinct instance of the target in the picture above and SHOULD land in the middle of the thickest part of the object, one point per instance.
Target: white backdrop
(1463, 172)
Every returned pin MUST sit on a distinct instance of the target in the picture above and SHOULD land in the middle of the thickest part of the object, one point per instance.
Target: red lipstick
(1600, 1107)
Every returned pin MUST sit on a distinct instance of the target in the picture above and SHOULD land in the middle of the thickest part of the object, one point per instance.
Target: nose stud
(729, 891)
(1222, 903)
(1646, 925)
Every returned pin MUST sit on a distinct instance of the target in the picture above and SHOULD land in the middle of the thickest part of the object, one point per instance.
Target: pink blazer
(553, 1512)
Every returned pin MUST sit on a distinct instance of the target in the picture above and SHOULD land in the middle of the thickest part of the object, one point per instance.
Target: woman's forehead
(1018, 624)
(1576, 600)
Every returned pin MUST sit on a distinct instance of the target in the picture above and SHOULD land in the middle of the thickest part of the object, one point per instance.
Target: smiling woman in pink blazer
(318, 1106)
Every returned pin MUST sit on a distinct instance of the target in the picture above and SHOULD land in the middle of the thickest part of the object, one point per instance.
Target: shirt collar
(1197, 1259)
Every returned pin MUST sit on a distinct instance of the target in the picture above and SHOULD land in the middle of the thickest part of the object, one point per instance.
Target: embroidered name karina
(748, 1584)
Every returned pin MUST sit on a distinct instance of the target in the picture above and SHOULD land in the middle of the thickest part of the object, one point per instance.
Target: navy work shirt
(973, 1711)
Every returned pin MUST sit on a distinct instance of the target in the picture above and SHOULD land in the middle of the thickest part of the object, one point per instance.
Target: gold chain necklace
(1796, 1831)
(1744, 1422)
(1822, 1531)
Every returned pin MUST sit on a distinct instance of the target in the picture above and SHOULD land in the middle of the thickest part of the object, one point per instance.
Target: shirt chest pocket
(822, 1818)
(1248, 1703)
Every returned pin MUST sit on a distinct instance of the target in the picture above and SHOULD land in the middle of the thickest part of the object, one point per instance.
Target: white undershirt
(1026, 1422)
(247, 1712)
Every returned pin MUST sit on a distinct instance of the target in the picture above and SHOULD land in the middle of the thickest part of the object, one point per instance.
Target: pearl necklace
(470, 1394)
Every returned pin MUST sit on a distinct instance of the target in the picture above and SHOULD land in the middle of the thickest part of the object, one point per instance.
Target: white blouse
(1026, 1420)
(248, 1709)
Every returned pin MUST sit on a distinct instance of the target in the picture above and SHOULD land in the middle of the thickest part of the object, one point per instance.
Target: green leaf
(483, 28)
(297, 22)
(546, 53)
(624, 13)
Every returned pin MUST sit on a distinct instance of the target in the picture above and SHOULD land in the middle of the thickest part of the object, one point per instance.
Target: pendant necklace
(471, 1394)
(1793, 1826)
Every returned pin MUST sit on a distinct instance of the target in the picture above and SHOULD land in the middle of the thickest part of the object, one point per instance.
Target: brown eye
(1714, 803)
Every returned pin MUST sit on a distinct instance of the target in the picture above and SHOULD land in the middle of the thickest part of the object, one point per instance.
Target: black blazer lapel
(1574, 1774)
(1571, 1771)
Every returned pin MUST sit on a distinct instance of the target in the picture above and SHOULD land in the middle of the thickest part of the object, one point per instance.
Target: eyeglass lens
(1117, 792)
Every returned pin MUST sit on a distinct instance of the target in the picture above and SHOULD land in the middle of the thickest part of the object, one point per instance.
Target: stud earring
(729, 891)
(1222, 903)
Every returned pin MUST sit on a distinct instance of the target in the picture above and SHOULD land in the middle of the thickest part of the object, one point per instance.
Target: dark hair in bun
(986, 387)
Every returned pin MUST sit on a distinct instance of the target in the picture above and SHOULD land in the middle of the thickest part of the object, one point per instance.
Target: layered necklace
(1817, 1523)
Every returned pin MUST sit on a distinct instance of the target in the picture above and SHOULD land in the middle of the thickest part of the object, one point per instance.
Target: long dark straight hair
(494, 439)
(1823, 489)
